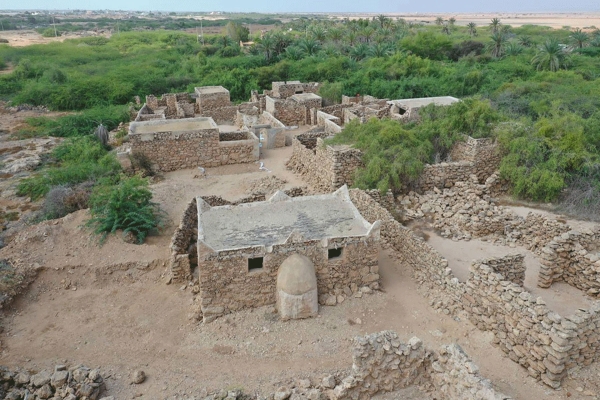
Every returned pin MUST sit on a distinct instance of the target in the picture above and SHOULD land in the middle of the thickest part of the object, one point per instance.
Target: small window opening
(401, 111)
(299, 91)
(255, 263)
(334, 253)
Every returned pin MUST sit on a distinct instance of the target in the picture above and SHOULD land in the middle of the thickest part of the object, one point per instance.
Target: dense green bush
(82, 123)
(125, 204)
(74, 161)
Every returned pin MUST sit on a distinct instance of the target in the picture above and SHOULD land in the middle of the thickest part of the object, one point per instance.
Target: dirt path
(126, 320)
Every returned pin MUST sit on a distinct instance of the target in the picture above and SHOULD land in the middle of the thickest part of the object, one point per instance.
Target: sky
(370, 6)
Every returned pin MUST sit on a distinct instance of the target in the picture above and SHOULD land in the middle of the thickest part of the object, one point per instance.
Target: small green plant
(124, 205)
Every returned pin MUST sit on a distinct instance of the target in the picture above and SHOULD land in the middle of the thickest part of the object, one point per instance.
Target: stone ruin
(493, 297)
(74, 383)
(191, 142)
(242, 252)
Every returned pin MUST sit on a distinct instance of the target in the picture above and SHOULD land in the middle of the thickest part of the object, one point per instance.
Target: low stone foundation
(532, 335)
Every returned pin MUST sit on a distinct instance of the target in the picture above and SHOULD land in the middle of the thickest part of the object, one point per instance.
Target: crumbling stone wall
(183, 244)
(479, 157)
(325, 167)
(74, 383)
(511, 267)
(283, 90)
(288, 111)
(573, 257)
(226, 284)
(170, 151)
(524, 328)
(382, 363)
(268, 118)
(330, 122)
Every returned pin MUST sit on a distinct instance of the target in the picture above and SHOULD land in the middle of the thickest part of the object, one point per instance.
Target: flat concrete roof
(301, 97)
(425, 101)
(172, 125)
(210, 89)
(271, 222)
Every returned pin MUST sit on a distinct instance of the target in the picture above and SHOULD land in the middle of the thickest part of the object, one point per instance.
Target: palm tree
(331, 50)
(472, 28)
(367, 33)
(439, 21)
(525, 41)
(495, 24)
(281, 41)
(309, 46)
(351, 36)
(293, 53)
(318, 32)
(452, 21)
(513, 48)
(267, 46)
(380, 50)
(505, 29)
(579, 38)
(496, 46)
(359, 52)
(336, 34)
(551, 56)
(382, 19)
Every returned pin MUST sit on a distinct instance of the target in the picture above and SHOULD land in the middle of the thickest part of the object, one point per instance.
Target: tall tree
(439, 21)
(551, 56)
(579, 38)
(495, 25)
(497, 46)
(472, 28)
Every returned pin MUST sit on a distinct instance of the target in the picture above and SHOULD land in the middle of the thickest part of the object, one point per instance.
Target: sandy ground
(553, 20)
(229, 181)
(131, 319)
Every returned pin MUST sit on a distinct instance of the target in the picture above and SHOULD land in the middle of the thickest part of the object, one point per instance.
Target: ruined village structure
(298, 251)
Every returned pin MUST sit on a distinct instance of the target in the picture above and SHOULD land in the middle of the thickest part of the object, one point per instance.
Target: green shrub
(125, 205)
(83, 123)
(331, 92)
(76, 160)
(50, 32)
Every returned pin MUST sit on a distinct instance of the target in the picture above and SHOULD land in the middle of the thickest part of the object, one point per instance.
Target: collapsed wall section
(323, 166)
(524, 328)
(383, 363)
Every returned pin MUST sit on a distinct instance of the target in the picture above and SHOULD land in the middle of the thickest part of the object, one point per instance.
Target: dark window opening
(255, 263)
(401, 111)
(334, 253)
(299, 91)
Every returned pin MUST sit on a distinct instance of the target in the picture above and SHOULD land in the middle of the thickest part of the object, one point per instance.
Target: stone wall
(383, 363)
(183, 244)
(170, 151)
(288, 111)
(75, 383)
(479, 157)
(524, 328)
(268, 118)
(324, 167)
(283, 90)
(227, 285)
(222, 115)
(573, 257)
(511, 267)
(444, 175)
(330, 122)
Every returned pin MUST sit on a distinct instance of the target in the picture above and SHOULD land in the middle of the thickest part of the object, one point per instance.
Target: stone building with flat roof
(241, 249)
(172, 144)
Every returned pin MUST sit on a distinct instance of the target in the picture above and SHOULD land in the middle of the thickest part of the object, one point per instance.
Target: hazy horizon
(318, 6)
